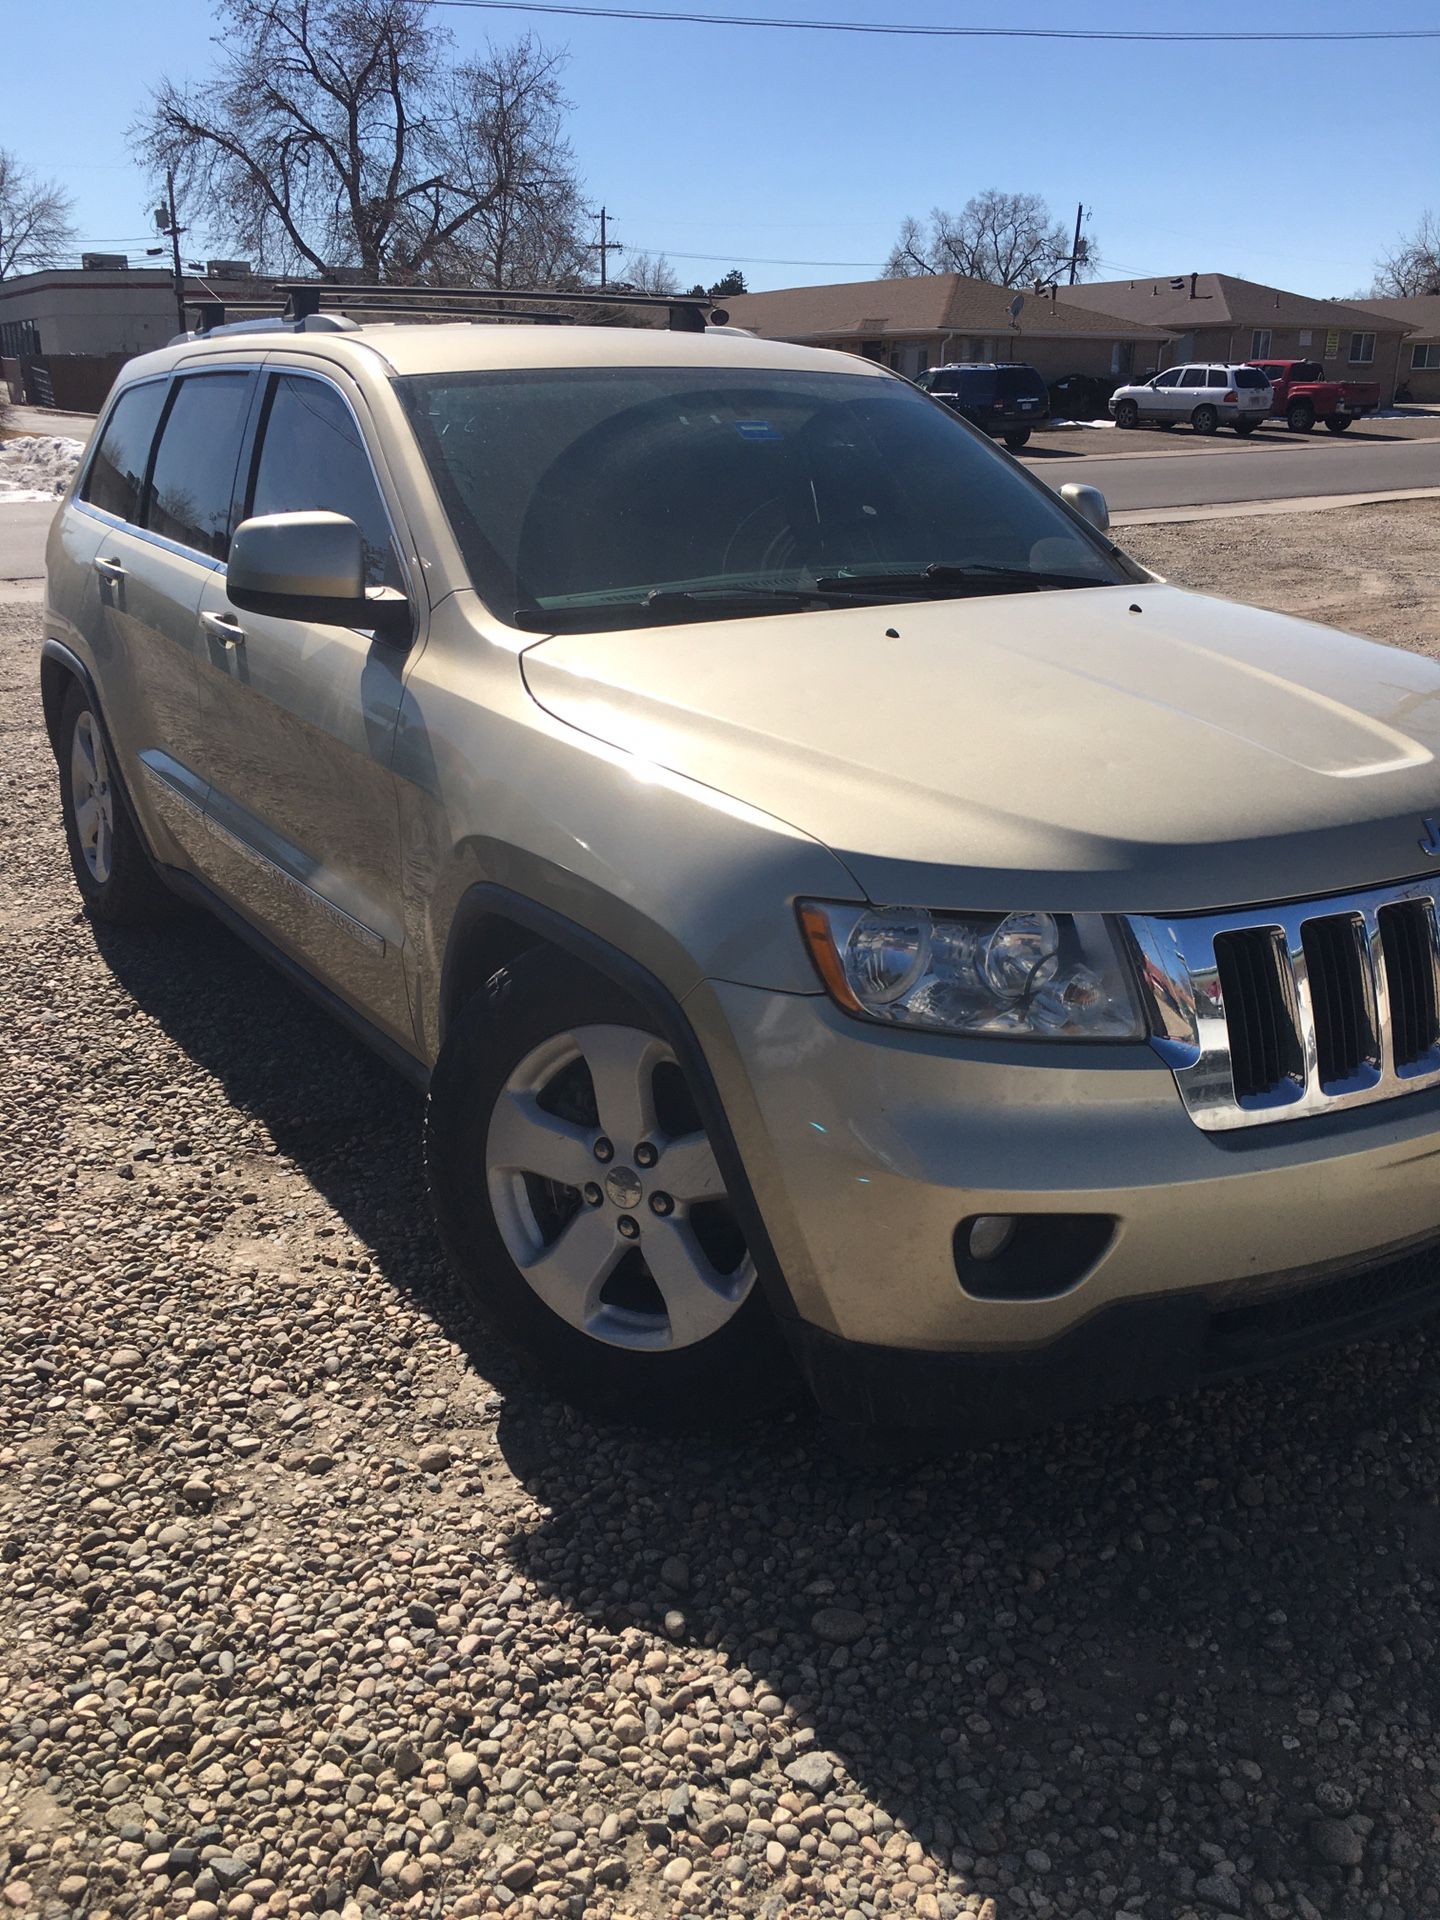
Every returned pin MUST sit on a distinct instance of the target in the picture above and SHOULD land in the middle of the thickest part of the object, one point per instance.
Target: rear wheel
(111, 867)
(1205, 420)
(1014, 441)
(1127, 414)
(1300, 416)
(1339, 422)
(583, 1207)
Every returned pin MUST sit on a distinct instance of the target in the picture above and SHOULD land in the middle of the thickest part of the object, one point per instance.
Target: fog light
(990, 1235)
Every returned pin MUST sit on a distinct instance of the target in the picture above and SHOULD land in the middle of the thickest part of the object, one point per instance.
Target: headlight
(1013, 975)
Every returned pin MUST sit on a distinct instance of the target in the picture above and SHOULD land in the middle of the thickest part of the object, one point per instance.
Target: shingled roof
(1418, 313)
(1218, 300)
(926, 303)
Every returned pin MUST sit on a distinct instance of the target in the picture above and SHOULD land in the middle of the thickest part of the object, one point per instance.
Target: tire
(1014, 441)
(112, 869)
(1127, 414)
(1300, 416)
(1244, 428)
(1205, 420)
(529, 1071)
(1339, 422)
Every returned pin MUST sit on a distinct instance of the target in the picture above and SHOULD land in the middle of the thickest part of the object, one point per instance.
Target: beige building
(1419, 313)
(925, 321)
(1215, 316)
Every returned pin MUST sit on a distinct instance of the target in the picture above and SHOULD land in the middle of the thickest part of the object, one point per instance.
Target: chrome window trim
(1177, 963)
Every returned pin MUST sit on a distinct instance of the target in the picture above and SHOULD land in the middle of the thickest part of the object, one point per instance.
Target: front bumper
(866, 1147)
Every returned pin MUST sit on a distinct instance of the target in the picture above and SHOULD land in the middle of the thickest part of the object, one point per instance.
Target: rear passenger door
(299, 721)
(162, 482)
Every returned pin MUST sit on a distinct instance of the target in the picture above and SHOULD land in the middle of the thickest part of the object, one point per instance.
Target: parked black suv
(1004, 399)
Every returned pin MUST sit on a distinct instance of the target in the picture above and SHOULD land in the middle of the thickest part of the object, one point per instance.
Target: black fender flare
(489, 901)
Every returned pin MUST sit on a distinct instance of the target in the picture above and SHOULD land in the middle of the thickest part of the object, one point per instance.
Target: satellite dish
(1015, 305)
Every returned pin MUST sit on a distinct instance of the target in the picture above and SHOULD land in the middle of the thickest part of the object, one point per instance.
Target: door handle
(224, 628)
(109, 569)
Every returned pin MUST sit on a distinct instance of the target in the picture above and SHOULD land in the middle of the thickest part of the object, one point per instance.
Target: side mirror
(1088, 502)
(310, 566)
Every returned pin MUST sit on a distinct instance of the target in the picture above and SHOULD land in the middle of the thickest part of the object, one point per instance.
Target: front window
(587, 498)
(1260, 343)
(1362, 349)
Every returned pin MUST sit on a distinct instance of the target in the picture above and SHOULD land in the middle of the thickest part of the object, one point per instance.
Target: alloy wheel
(93, 797)
(607, 1193)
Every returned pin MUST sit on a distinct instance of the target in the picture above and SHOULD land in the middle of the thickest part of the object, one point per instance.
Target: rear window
(117, 472)
(974, 385)
(192, 486)
(1250, 377)
(1019, 383)
(1307, 370)
(1217, 377)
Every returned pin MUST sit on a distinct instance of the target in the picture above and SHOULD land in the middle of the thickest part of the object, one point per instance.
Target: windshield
(579, 495)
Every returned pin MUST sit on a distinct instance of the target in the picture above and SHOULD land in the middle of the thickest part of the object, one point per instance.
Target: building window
(1305, 337)
(1260, 344)
(1425, 359)
(1362, 349)
(922, 360)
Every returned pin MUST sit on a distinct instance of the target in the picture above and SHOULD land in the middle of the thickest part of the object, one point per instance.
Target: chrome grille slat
(1339, 1004)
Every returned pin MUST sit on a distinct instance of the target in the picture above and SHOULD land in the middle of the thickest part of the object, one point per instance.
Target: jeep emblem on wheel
(623, 1187)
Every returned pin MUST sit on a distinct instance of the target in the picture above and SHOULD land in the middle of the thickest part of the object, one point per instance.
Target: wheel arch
(59, 669)
(494, 926)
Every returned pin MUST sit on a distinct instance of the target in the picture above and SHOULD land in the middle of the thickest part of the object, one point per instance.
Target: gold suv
(847, 915)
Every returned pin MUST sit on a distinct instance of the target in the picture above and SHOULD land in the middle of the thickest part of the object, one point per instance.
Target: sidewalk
(73, 426)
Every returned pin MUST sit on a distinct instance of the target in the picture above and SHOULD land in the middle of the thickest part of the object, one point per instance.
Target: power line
(748, 259)
(1309, 35)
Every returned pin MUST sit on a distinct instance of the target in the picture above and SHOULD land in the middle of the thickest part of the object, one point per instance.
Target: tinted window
(1250, 377)
(312, 459)
(577, 493)
(1019, 383)
(117, 472)
(193, 482)
(1192, 377)
(1170, 379)
(1217, 377)
(1307, 370)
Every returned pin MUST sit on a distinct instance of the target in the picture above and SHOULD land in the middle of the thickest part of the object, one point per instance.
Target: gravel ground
(1375, 570)
(309, 1603)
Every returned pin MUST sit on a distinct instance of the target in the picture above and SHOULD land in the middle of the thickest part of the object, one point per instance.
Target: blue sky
(757, 147)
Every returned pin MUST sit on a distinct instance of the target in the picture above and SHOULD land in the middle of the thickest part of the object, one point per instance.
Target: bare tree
(35, 226)
(343, 133)
(1012, 239)
(1413, 264)
(646, 273)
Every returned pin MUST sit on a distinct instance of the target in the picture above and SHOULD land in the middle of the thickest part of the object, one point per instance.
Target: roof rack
(313, 306)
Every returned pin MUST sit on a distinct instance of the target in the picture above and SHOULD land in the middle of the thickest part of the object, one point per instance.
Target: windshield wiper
(943, 576)
(669, 603)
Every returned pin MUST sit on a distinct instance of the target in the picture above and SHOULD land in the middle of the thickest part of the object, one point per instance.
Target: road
(23, 527)
(1268, 467)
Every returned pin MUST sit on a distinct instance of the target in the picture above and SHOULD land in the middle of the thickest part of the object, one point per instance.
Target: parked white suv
(1209, 397)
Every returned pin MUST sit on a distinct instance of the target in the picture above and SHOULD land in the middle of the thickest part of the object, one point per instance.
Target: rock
(420, 1614)
(434, 1459)
(675, 1574)
(1338, 1842)
(518, 1875)
(838, 1625)
(813, 1772)
(462, 1770)
(126, 1359)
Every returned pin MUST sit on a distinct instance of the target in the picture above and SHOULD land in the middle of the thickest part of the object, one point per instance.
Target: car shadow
(1099, 1651)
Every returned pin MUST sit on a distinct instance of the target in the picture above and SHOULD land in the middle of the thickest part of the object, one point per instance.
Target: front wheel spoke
(87, 819)
(102, 848)
(622, 1063)
(696, 1302)
(83, 770)
(571, 1272)
(689, 1171)
(526, 1139)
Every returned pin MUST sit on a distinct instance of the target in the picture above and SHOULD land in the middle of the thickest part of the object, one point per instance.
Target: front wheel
(1339, 422)
(1300, 416)
(583, 1207)
(1127, 414)
(1205, 420)
(1014, 441)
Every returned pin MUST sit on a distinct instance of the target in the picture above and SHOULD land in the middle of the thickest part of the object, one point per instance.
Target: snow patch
(37, 466)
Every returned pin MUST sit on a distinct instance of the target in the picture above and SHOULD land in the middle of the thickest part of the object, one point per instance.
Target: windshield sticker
(756, 430)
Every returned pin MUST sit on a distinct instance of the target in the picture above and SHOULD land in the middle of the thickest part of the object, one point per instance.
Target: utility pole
(1075, 248)
(604, 248)
(167, 221)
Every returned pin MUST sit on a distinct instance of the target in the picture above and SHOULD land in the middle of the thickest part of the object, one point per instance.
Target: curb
(1254, 509)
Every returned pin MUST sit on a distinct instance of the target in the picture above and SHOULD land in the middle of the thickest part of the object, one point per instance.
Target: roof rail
(307, 306)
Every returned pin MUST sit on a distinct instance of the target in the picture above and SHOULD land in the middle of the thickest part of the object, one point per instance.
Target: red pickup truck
(1302, 395)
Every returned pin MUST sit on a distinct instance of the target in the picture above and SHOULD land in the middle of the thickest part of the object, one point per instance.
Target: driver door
(298, 721)
(1161, 401)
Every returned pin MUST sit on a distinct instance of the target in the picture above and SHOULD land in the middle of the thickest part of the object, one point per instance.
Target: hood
(1122, 748)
